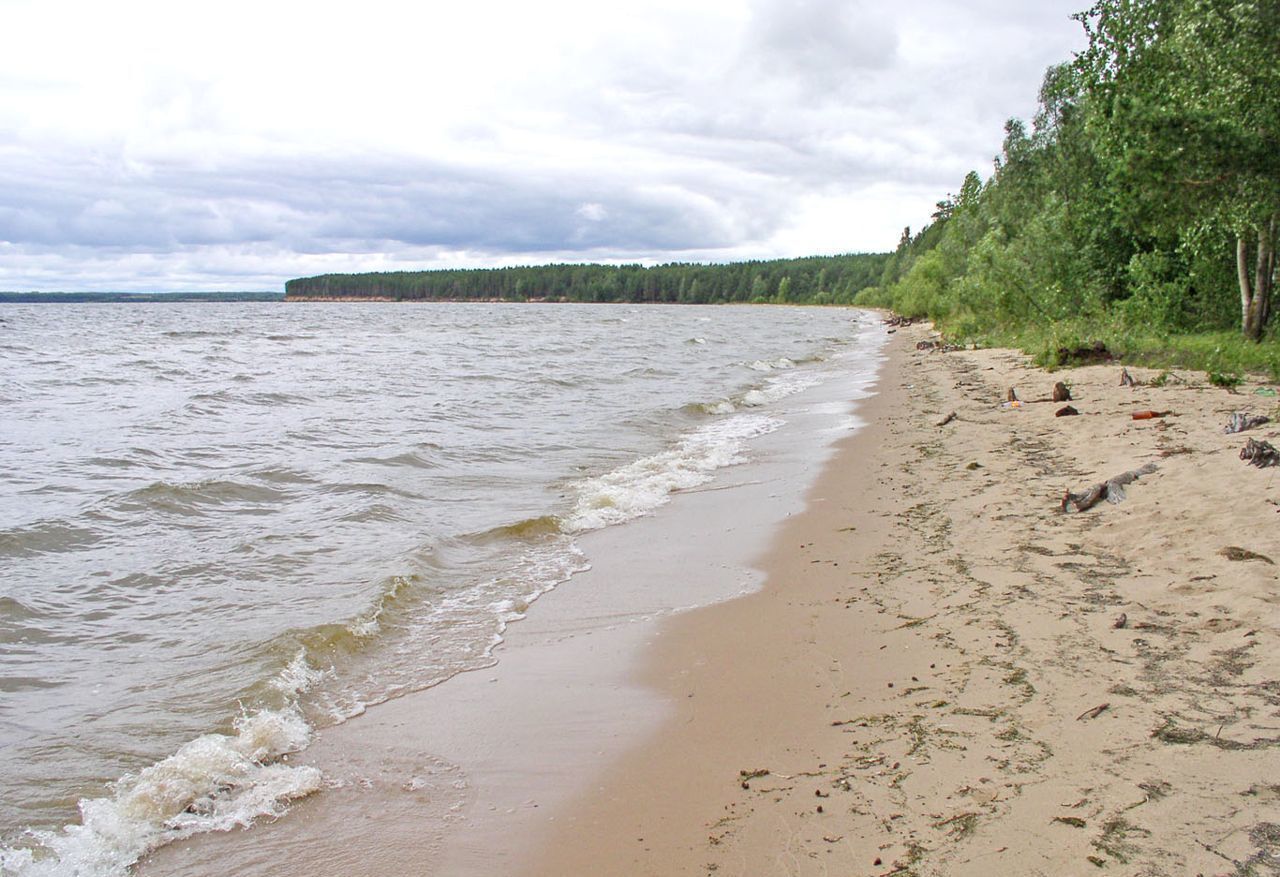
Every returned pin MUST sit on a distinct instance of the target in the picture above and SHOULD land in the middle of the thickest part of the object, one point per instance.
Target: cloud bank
(150, 145)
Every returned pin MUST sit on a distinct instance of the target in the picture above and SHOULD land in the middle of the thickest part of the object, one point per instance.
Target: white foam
(298, 676)
(762, 365)
(645, 484)
(213, 783)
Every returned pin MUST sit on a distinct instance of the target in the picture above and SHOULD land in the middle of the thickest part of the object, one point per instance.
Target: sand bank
(947, 674)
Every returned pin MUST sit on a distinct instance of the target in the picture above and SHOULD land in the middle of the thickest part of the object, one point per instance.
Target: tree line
(1145, 194)
(810, 280)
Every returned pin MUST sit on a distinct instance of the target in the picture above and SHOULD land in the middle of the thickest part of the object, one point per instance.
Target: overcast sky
(175, 146)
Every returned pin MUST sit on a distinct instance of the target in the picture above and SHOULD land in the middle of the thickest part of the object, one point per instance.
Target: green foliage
(812, 280)
(1152, 162)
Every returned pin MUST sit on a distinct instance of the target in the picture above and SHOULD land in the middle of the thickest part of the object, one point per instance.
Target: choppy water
(225, 525)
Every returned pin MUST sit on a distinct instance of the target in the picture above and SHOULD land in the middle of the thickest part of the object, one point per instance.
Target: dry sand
(935, 678)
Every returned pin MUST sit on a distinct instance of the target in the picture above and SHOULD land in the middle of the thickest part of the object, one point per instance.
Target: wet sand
(947, 674)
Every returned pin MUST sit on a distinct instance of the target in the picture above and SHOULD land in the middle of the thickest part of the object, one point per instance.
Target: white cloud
(150, 143)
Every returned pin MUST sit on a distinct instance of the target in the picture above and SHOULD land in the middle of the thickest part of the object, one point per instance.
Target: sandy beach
(945, 673)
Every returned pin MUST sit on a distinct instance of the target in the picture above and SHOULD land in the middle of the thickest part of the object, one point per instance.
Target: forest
(810, 280)
(1138, 209)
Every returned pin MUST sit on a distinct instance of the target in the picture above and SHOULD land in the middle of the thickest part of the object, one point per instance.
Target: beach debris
(1061, 393)
(1011, 404)
(1073, 821)
(1121, 622)
(1150, 415)
(1260, 454)
(897, 320)
(1012, 395)
(1265, 391)
(1126, 379)
(1066, 411)
(753, 774)
(1112, 490)
(1243, 420)
(1094, 712)
(1232, 552)
(950, 417)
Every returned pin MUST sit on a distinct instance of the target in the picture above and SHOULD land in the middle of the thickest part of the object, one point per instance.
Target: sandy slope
(917, 674)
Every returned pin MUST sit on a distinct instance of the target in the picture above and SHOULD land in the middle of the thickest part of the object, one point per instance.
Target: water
(223, 526)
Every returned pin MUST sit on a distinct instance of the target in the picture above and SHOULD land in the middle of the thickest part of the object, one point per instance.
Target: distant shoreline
(133, 297)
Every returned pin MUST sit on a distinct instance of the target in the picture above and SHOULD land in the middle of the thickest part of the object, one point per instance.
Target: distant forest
(811, 280)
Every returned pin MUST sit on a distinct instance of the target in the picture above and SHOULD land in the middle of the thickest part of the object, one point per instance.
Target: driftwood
(1093, 713)
(1234, 552)
(1061, 393)
(1242, 420)
(1112, 490)
(1126, 379)
(1260, 454)
(944, 421)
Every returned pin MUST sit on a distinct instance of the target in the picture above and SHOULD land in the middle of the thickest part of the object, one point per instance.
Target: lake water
(224, 526)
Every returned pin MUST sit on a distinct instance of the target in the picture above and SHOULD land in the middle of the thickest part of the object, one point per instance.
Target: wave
(772, 390)
(190, 497)
(45, 537)
(529, 528)
(194, 333)
(641, 486)
(411, 459)
(213, 783)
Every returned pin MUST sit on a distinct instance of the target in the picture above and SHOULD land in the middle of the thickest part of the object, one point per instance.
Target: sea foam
(213, 783)
(645, 484)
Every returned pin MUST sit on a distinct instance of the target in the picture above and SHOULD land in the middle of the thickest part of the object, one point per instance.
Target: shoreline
(460, 778)
(945, 674)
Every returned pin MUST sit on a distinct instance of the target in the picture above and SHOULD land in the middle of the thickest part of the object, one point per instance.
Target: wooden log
(1112, 490)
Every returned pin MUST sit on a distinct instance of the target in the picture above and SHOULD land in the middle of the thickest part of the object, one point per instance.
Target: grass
(1223, 355)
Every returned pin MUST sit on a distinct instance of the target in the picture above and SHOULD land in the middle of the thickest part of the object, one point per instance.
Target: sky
(232, 146)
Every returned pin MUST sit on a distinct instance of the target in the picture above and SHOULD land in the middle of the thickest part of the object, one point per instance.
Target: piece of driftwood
(1066, 411)
(944, 421)
(1235, 552)
(1260, 454)
(1061, 393)
(1093, 713)
(1126, 379)
(1112, 490)
(1242, 420)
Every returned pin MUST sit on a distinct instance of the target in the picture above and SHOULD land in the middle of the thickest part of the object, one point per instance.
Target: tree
(1185, 106)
